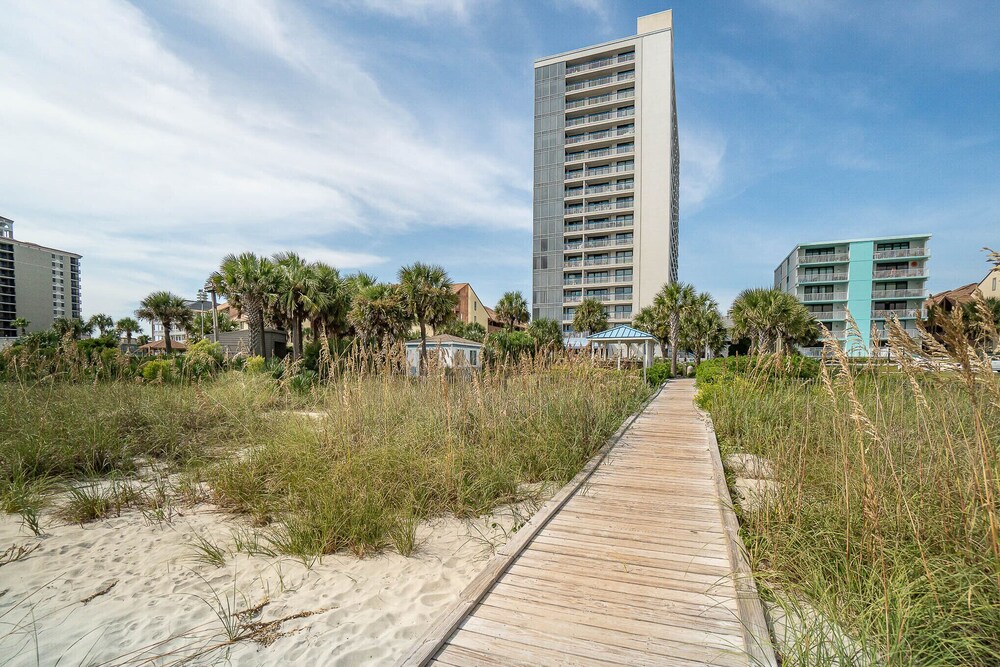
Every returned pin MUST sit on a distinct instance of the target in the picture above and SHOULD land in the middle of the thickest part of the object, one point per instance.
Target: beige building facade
(990, 287)
(606, 175)
(37, 284)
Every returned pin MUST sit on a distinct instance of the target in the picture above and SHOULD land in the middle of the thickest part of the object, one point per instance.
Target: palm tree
(296, 294)
(511, 309)
(590, 317)
(379, 314)
(428, 297)
(772, 320)
(650, 320)
(20, 324)
(102, 322)
(167, 308)
(128, 326)
(546, 332)
(702, 328)
(71, 326)
(248, 283)
(673, 301)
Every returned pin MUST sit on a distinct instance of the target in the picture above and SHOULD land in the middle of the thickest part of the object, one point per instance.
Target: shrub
(161, 370)
(203, 359)
(254, 364)
(658, 373)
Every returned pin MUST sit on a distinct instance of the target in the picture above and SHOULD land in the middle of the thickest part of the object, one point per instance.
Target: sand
(157, 604)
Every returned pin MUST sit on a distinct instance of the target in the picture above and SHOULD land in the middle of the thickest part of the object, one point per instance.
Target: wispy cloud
(117, 141)
(460, 10)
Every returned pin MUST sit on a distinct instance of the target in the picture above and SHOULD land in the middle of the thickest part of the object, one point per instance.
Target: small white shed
(447, 351)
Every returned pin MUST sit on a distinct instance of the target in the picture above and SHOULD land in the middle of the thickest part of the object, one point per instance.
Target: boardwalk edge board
(437, 636)
(756, 634)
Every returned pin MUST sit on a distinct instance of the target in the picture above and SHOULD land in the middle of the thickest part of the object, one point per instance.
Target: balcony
(573, 227)
(825, 296)
(620, 77)
(609, 169)
(599, 153)
(893, 294)
(600, 117)
(898, 313)
(575, 262)
(835, 314)
(572, 246)
(920, 272)
(607, 243)
(603, 62)
(824, 259)
(609, 187)
(600, 135)
(607, 261)
(601, 99)
(822, 277)
(576, 208)
(573, 281)
(574, 298)
(608, 280)
(915, 251)
(610, 224)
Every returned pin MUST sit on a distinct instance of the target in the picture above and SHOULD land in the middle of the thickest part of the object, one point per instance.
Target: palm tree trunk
(255, 321)
(166, 336)
(423, 347)
(674, 326)
(296, 337)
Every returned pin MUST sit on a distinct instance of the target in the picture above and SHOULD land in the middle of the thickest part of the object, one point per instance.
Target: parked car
(995, 365)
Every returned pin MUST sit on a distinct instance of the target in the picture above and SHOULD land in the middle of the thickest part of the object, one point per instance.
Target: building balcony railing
(572, 246)
(577, 298)
(898, 313)
(822, 277)
(824, 259)
(610, 280)
(603, 62)
(605, 243)
(609, 187)
(899, 273)
(915, 251)
(573, 227)
(599, 153)
(824, 296)
(600, 117)
(620, 77)
(835, 314)
(607, 261)
(601, 99)
(609, 169)
(610, 224)
(893, 294)
(570, 210)
(600, 135)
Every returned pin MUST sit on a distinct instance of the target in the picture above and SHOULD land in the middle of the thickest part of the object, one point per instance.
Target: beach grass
(355, 463)
(885, 522)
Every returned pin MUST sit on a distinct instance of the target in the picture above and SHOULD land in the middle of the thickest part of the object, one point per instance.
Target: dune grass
(377, 453)
(390, 451)
(886, 518)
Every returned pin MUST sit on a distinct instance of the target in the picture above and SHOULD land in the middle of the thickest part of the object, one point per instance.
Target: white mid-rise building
(606, 175)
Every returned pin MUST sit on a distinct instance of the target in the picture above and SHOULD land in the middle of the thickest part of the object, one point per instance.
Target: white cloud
(416, 9)
(153, 162)
(702, 168)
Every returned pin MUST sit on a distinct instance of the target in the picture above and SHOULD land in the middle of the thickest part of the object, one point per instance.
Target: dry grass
(886, 522)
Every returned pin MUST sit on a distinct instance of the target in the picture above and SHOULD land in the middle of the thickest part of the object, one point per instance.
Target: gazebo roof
(621, 333)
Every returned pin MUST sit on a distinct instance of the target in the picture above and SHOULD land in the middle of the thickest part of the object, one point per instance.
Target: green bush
(714, 373)
(203, 359)
(254, 364)
(158, 370)
(658, 373)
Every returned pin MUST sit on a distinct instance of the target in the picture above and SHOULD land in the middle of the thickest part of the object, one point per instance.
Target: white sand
(367, 611)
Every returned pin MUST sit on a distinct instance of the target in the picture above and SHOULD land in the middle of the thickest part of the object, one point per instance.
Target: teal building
(873, 280)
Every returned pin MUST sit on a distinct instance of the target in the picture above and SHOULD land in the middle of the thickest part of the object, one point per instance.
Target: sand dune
(157, 604)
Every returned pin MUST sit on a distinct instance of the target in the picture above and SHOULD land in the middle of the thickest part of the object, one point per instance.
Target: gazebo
(160, 347)
(626, 337)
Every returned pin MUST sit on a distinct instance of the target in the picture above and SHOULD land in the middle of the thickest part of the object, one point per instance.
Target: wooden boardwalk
(636, 564)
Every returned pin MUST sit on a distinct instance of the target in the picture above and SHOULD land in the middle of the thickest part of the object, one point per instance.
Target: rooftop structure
(873, 279)
(606, 175)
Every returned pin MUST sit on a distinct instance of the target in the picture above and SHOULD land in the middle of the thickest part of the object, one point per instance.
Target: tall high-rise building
(37, 284)
(606, 175)
(873, 280)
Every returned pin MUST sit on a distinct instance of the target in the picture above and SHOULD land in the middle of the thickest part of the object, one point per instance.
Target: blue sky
(155, 137)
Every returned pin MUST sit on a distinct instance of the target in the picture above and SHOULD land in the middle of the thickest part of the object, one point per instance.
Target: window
(474, 357)
(818, 251)
(819, 270)
(895, 245)
(819, 289)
